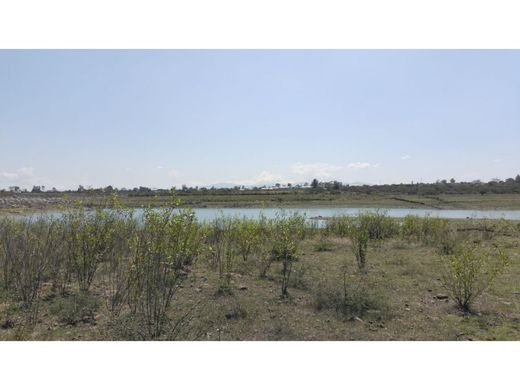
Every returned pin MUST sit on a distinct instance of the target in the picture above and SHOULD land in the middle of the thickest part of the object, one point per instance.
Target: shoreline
(30, 203)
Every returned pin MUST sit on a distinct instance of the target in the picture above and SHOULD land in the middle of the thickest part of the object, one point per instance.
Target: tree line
(440, 187)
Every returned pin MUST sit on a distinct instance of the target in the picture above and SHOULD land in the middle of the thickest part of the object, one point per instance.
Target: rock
(441, 296)
(242, 287)
(198, 289)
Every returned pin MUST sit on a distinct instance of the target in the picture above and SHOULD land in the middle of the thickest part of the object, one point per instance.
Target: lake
(208, 214)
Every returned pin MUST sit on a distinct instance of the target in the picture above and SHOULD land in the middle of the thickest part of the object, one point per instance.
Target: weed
(75, 308)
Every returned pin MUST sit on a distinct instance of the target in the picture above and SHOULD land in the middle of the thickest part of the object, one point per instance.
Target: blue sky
(167, 118)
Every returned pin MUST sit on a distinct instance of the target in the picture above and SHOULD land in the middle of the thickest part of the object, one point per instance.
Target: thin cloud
(24, 176)
(362, 165)
(406, 157)
(265, 177)
(316, 169)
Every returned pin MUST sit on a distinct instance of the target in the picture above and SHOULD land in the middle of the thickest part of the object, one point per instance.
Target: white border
(259, 24)
(259, 365)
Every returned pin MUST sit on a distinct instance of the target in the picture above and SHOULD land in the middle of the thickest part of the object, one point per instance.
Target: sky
(254, 117)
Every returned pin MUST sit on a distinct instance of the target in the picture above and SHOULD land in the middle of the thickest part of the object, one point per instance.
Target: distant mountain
(223, 185)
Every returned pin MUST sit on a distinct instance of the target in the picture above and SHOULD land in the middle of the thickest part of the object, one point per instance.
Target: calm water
(208, 214)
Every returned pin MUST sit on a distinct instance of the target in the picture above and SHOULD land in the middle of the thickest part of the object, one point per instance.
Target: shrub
(506, 228)
(411, 228)
(359, 237)
(264, 260)
(470, 271)
(247, 236)
(448, 243)
(427, 230)
(377, 225)
(118, 269)
(88, 238)
(339, 225)
(28, 245)
(287, 231)
(6, 230)
(434, 230)
(222, 247)
(166, 246)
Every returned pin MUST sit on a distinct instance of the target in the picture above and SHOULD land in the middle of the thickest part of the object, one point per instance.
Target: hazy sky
(163, 118)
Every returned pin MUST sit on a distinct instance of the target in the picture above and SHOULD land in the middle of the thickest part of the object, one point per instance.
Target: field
(29, 202)
(103, 276)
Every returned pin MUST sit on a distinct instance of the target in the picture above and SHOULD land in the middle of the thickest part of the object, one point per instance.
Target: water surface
(209, 214)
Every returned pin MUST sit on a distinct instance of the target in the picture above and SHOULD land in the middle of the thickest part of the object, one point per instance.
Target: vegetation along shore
(445, 194)
(107, 275)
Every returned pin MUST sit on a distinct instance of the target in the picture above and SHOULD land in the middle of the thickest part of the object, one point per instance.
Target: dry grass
(403, 280)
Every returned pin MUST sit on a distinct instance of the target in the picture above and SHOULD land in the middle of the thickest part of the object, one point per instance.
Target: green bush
(88, 242)
(339, 225)
(377, 225)
(118, 265)
(222, 247)
(359, 237)
(427, 230)
(27, 248)
(287, 231)
(470, 271)
(247, 236)
(166, 245)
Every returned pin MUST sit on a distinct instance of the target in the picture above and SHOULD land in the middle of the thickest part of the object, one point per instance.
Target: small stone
(242, 287)
(441, 296)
